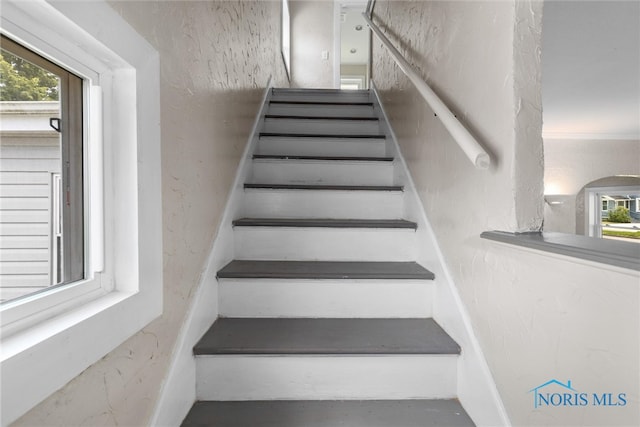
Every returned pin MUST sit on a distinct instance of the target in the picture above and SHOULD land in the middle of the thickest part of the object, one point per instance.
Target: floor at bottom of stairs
(328, 413)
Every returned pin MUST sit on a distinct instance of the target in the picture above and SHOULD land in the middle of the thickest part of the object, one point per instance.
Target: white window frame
(593, 206)
(49, 338)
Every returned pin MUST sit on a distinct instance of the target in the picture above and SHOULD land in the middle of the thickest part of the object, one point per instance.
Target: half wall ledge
(616, 253)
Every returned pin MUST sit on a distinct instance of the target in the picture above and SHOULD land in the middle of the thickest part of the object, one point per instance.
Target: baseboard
(178, 390)
(476, 388)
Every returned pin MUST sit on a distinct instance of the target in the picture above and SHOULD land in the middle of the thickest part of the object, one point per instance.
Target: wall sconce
(554, 199)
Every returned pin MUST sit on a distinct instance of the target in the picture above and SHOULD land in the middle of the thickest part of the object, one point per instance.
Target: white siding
(26, 168)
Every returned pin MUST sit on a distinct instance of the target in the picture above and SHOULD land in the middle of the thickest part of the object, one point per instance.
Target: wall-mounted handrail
(465, 140)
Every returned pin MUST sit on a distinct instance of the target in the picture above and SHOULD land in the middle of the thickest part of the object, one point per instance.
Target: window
(47, 338)
(605, 205)
(41, 174)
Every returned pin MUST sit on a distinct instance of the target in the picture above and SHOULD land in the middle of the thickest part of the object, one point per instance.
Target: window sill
(614, 253)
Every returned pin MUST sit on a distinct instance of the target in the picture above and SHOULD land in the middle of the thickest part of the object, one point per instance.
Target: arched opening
(601, 205)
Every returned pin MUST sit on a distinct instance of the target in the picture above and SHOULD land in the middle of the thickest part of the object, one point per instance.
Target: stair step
(324, 244)
(314, 95)
(364, 109)
(324, 223)
(335, 201)
(241, 269)
(340, 298)
(324, 170)
(328, 118)
(325, 336)
(322, 158)
(313, 146)
(276, 358)
(321, 103)
(324, 187)
(329, 413)
(322, 125)
(319, 136)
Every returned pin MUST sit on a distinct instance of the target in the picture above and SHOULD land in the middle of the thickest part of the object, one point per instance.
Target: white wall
(311, 33)
(537, 317)
(571, 164)
(216, 58)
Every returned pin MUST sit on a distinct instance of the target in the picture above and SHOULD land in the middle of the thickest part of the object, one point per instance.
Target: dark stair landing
(352, 413)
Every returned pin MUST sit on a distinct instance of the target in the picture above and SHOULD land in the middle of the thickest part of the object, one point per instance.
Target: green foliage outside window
(620, 214)
(20, 80)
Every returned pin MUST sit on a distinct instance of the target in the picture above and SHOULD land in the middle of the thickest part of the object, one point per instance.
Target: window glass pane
(37, 199)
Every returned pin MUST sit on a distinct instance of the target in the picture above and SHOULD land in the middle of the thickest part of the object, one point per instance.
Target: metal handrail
(465, 140)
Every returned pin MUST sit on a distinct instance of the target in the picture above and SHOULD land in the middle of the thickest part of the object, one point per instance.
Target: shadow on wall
(606, 185)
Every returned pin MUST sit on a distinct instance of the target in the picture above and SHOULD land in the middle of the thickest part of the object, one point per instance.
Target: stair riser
(322, 127)
(323, 204)
(321, 110)
(326, 377)
(320, 97)
(324, 244)
(325, 298)
(321, 147)
(322, 172)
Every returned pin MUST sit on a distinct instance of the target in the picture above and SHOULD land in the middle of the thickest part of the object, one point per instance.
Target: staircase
(325, 317)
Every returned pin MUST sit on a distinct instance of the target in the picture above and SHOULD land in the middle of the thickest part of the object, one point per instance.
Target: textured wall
(216, 58)
(571, 164)
(311, 33)
(536, 317)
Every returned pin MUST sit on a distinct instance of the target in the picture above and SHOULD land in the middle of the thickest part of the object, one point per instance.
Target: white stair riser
(321, 97)
(321, 110)
(322, 172)
(321, 127)
(325, 298)
(322, 204)
(326, 377)
(325, 147)
(324, 244)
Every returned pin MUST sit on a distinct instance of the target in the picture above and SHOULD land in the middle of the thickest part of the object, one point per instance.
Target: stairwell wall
(216, 59)
(537, 316)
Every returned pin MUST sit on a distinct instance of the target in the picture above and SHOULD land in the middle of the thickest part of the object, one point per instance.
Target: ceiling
(350, 38)
(591, 69)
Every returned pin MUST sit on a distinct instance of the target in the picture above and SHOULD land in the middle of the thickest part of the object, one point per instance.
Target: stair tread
(318, 135)
(324, 187)
(322, 158)
(295, 336)
(322, 222)
(296, 117)
(366, 103)
(329, 413)
(324, 270)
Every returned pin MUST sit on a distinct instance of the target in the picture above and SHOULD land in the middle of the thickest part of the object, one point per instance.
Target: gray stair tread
(325, 187)
(322, 158)
(329, 223)
(282, 116)
(318, 135)
(288, 336)
(312, 91)
(329, 413)
(367, 103)
(239, 269)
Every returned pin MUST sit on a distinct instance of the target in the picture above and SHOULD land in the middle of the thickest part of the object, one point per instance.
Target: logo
(554, 393)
